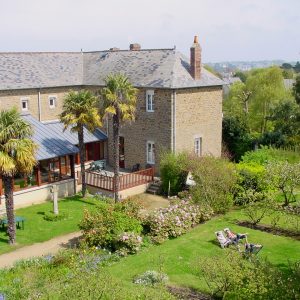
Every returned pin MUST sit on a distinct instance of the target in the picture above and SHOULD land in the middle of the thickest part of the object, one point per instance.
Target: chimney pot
(135, 47)
(195, 59)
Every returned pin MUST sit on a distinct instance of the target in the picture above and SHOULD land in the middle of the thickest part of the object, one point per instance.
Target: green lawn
(178, 255)
(38, 230)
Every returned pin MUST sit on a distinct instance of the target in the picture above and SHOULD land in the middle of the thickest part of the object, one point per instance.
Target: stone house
(179, 103)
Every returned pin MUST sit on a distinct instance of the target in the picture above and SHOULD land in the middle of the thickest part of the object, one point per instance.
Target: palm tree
(17, 155)
(120, 102)
(79, 111)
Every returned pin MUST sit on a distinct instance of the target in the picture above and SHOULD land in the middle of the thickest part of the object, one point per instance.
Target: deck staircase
(154, 187)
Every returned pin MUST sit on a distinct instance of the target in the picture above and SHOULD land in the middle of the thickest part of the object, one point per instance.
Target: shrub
(173, 171)
(251, 185)
(128, 243)
(215, 180)
(235, 278)
(103, 227)
(50, 216)
(174, 220)
(129, 206)
(151, 278)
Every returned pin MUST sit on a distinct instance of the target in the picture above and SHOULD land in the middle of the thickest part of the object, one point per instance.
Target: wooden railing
(127, 181)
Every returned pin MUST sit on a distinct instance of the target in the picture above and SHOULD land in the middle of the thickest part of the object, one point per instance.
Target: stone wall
(199, 114)
(9, 99)
(148, 126)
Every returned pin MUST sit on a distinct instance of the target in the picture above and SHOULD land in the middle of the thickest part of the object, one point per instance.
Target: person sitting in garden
(224, 242)
(235, 237)
(252, 248)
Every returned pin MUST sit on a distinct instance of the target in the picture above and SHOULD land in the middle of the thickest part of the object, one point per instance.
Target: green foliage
(128, 243)
(296, 89)
(233, 277)
(174, 220)
(130, 206)
(288, 74)
(235, 135)
(102, 227)
(265, 155)
(251, 185)
(242, 75)
(173, 171)
(215, 180)
(72, 275)
(285, 177)
(50, 216)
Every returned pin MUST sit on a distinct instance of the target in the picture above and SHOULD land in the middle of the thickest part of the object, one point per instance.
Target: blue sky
(227, 30)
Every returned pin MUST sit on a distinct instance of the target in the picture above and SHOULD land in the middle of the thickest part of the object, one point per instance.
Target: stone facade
(13, 98)
(148, 126)
(178, 118)
(199, 115)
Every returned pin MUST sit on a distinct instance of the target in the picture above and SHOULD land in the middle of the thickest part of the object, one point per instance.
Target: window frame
(25, 100)
(152, 161)
(54, 98)
(151, 94)
(198, 149)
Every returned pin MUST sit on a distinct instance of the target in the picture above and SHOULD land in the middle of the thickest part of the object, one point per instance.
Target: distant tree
(297, 67)
(286, 66)
(80, 109)
(241, 75)
(120, 102)
(296, 90)
(267, 89)
(212, 70)
(17, 152)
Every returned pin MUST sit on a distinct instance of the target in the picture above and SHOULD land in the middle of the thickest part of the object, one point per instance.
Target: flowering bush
(174, 220)
(128, 243)
(102, 227)
(150, 278)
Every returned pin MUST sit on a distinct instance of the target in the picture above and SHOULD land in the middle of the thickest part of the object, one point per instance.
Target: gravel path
(39, 249)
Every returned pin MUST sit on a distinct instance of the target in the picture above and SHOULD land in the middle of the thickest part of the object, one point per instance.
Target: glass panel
(44, 170)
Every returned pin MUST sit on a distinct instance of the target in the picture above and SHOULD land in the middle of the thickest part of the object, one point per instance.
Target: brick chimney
(135, 47)
(195, 59)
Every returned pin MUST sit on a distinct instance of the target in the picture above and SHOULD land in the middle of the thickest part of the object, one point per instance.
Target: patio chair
(224, 242)
(235, 237)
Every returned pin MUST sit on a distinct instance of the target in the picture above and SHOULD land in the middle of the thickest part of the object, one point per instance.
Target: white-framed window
(24, 104)
(198, 146)
(150, 100)
(150, 152)
(52, 101)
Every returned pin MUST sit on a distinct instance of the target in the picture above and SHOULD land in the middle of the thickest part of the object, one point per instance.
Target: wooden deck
(127, 180)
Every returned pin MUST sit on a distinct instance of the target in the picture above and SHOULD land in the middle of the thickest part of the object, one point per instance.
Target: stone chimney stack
(195, 59)
(135, 47)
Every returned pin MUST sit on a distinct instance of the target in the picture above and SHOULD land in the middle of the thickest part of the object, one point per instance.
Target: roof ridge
(41, 52)
(128, 50)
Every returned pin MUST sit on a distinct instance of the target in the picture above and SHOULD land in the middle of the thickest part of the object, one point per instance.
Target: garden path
(39, 249)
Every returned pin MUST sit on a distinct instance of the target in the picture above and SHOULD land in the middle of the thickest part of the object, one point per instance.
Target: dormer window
(52, 101)
(24, 104)
(150, 100)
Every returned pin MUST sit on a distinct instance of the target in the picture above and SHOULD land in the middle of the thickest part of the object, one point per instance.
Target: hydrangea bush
(129, 243)
(174, 220)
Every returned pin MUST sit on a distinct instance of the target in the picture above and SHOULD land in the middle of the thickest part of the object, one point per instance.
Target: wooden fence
(127, 181)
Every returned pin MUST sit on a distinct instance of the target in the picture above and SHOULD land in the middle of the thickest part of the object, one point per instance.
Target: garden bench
(18, 221)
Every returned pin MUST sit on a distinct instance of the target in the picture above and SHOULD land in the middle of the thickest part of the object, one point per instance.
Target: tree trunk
(116, 137)
(9, 202)
(82, 159)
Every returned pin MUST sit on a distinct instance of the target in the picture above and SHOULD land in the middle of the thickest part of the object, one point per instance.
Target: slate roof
(156, 68)
(53, 142)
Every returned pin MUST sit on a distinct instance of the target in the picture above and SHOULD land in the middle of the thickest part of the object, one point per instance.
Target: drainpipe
(39, 105)
(174, 121)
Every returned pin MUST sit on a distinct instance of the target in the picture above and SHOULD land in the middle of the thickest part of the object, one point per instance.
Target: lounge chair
(224, 242)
